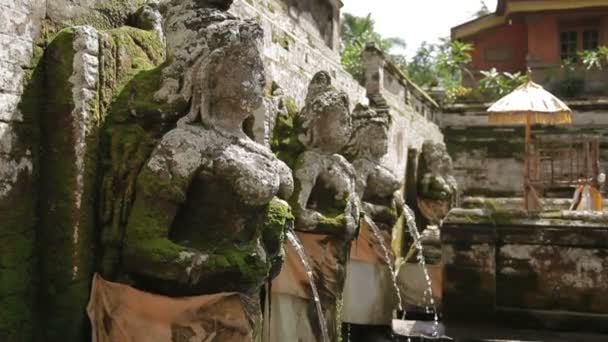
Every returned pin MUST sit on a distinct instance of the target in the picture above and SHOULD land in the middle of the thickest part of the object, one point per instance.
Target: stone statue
(369, 294)
(206, 218)
(326, 209)
(201, 192)
(437, 186)
(326, 126)
(377, 186)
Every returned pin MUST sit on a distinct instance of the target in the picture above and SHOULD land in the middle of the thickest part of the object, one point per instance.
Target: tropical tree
(356, 33)
(483, 10)
(422, 67)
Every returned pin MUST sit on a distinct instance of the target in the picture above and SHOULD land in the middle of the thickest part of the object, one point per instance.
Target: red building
(540, 34)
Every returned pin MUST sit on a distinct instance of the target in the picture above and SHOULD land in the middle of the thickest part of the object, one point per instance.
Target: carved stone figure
(326, 209)
(438, 189)
(325, 178)
(206, 219)
(376, 184)
(201, 191)
(369, 295)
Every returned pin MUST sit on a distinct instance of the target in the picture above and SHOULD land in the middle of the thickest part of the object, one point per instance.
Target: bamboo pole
(527, 161)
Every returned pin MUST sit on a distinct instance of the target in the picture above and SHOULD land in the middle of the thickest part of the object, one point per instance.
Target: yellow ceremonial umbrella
(530, 104)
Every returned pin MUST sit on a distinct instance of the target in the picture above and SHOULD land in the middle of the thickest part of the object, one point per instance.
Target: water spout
(297, 245)
(410, 220)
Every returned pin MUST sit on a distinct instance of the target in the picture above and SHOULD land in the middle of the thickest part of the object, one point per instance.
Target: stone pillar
(373, 61)
(68, 169)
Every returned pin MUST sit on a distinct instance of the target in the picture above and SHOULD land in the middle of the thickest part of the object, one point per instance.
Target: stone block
(15, 49)
(16, 23)
(552, 278)
(9, 108)
(11, 78)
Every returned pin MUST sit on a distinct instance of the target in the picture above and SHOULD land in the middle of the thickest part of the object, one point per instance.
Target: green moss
(283, 39)
(130, 76)
(136, 103)
(275, 219)
(285, 143)
(270, 7)
(109, 14)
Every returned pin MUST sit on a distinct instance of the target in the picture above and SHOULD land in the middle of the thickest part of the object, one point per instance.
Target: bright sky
(416, 20)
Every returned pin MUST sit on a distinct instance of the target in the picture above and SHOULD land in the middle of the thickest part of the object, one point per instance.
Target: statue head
(436, 157)
(225, 83)
(325, 118)
(370, 133)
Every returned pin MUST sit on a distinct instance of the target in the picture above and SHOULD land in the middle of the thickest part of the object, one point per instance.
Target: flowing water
(410, 220)
(378, 235)
(297, 245)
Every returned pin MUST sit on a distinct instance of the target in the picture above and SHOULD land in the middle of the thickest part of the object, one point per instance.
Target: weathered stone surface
(206, 172)
(295, 48)
(512, 265)
(326, 207)
(551, 278)
(67, 216)
(372, 301)
(326, 128)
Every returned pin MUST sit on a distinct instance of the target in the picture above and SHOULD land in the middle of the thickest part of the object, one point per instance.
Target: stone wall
(545, 271)
(294, 49)
(35, 130)
(414, 114)
(488, 159)
(19, 27)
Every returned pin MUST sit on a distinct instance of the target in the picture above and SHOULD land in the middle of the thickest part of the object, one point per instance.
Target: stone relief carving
(325, 206)
(437, 185)
(371, 300)
(377, 186)
(202, 191)
(326, 180)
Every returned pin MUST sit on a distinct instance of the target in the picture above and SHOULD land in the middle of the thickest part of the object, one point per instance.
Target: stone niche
(502, 265)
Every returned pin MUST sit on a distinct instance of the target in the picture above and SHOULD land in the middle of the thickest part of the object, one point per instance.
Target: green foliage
(571, 84)
(595, 58)
(497, 84)
(356, 33)
(452, 61)
(422, 67)
(443, 64)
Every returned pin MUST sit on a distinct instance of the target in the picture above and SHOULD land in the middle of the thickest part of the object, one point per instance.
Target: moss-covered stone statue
(438, 189)
(376, 185)
(206, 216)
(369, 294)
(326, 208)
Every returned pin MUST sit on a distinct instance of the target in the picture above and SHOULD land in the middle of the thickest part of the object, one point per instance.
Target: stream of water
(410, 220)
(378, 234)
(297, 245)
